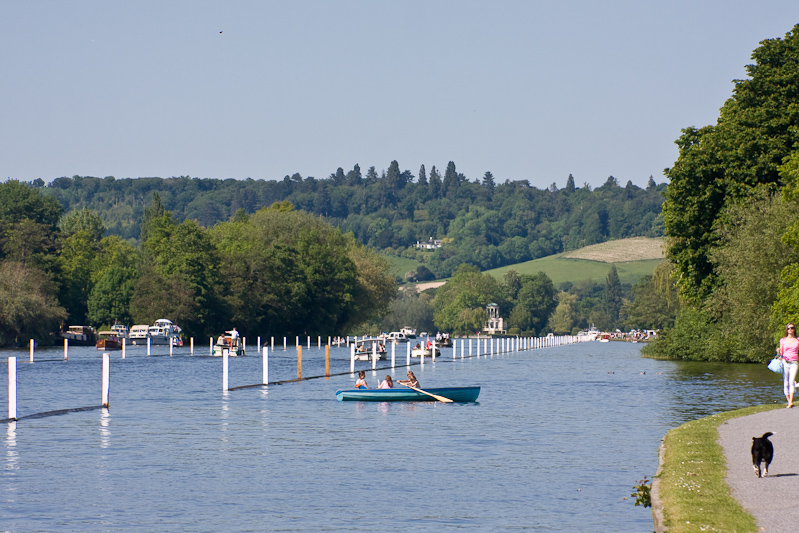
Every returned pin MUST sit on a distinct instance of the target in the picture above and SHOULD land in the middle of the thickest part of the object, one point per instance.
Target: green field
(560, 269)
(401, 265)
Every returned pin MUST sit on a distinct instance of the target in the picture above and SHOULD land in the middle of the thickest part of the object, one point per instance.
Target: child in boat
(387, 383)
(361, 383)
(411, 381)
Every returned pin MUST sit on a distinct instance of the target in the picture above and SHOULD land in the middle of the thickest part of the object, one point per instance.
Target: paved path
(771, 500)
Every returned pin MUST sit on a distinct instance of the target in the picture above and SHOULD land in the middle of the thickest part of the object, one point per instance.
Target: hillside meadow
(634, 258)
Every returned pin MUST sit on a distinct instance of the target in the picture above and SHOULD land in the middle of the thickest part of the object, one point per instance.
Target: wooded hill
(481, 223)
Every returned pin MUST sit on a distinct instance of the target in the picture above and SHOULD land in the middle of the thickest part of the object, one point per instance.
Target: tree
(488, 181)
(422, 177)
(435, 186)
(565, 316)
(721, 164)
(535, 303)
(451, 180)
(570, 184)
(28, 308)
(613, 296)
(460, 304)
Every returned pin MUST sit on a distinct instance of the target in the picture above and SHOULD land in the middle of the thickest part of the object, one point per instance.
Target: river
(556, 441)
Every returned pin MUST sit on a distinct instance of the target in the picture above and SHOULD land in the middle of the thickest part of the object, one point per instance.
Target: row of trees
(730, 217)
(278, 271)
(481, 222)
(533, 306)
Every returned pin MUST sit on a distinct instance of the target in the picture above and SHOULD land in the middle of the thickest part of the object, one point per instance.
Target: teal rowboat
(456, 394)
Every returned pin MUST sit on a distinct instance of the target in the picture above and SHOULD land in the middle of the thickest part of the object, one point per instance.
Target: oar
(436, 396)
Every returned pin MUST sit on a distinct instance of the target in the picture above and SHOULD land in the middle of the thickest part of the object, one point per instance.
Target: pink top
(789, 349)
(384, 385)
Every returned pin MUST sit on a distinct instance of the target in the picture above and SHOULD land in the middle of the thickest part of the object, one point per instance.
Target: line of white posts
(12, 384)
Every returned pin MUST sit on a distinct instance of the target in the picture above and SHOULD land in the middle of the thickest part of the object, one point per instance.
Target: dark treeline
(276, 272)
(480, 222)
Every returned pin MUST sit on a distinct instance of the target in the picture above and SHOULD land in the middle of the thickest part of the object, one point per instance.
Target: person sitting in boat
(418, 346)
(381, 348)
(220, 341)
(411, 381)
(386, 383)
(361, 383)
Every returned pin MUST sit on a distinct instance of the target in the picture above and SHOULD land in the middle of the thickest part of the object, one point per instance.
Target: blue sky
(524, 89)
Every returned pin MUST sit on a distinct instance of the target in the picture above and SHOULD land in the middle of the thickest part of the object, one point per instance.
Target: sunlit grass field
(560, 269)
(634, 258)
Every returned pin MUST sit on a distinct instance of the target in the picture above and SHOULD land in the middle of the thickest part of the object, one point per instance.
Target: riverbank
(691, 491)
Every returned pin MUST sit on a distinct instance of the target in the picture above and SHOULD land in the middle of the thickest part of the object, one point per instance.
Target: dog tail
(767, 434)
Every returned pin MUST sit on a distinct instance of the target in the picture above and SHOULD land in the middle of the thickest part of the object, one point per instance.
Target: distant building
(495, 324)
(431, 244)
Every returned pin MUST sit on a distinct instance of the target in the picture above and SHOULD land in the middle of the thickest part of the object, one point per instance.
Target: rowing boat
(456, 394)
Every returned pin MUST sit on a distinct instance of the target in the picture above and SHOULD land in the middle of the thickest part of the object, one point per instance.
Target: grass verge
(692, 492)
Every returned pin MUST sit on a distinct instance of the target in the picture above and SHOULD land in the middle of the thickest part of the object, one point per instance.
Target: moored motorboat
(410, 333)
(80, 335)
(456, 394)
(108, 341)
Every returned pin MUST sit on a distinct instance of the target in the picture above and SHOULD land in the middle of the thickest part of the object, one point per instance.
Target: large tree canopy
(757, 129)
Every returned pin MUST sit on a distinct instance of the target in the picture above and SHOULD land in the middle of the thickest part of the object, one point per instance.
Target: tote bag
(775, 365)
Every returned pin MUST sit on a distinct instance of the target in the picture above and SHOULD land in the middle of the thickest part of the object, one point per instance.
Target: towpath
(771, 500)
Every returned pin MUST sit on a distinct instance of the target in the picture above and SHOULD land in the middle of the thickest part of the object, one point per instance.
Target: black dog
(762, 451)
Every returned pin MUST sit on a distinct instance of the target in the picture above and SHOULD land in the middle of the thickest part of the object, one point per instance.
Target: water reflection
(105, 434)
(12, 456)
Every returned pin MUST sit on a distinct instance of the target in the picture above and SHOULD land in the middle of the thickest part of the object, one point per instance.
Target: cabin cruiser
(162, 333)
(409, 333)
(80, 335)
(369, 347)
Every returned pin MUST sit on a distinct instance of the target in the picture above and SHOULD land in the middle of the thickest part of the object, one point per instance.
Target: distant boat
(409, 333)
(227, 345)
(80, 335)
(108, 341)
(162, 333)
(456, 394)
(369, 347)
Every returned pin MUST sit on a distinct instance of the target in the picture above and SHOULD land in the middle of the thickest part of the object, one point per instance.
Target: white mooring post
(225, 358)
(148, 346)
(244, 344)
(352, 357)
(408, 357)
(66, 349)
(309, 343)
(32, 343)
(211, 346)
(470, 347)
(374, 355)
(318, 342)
(265, 366)
(124, 347)
(170, 347)
(434, 351)
(258, 345)
(284, 343)
(393, 351)
(12, 388)
(106, 377)
(272, 345)
(191, 346)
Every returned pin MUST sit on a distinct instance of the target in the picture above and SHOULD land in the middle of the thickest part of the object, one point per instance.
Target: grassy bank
(692, 491)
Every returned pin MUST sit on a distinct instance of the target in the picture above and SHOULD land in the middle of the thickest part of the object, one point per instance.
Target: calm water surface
(555, 443)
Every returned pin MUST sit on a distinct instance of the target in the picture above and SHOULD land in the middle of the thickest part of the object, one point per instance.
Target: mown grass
(691, 487)
(560, 269)
(401, 265)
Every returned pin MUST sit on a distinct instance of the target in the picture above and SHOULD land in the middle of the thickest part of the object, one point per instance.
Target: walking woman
(789, 351)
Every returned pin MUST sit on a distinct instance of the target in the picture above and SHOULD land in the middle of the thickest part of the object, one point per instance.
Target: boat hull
(456, 394)
(108, 344)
